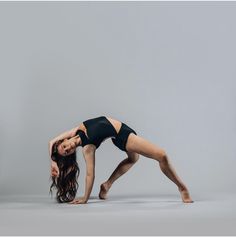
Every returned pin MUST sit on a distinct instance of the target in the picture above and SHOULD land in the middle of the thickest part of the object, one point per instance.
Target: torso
(115, 123)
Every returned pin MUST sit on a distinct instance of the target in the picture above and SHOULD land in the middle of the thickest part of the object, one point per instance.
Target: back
(98, 129)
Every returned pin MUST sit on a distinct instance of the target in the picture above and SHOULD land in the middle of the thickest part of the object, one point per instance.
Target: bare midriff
(115, 123)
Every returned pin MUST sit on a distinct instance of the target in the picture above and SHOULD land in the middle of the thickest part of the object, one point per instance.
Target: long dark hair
(66, 184)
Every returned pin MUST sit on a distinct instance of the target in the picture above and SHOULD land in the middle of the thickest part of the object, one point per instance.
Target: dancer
(89, 135)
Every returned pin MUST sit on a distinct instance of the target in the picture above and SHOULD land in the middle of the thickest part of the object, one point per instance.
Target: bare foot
(185, 196)
(104, 190)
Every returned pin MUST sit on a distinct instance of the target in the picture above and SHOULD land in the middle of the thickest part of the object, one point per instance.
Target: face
(67, 147)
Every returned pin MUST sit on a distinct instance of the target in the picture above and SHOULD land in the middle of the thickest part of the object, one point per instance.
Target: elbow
(90, 171)
(90, 174)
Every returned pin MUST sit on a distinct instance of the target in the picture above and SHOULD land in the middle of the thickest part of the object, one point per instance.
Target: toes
(188, 201)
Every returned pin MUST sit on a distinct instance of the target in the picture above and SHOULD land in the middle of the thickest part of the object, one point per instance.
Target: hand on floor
(79, 201)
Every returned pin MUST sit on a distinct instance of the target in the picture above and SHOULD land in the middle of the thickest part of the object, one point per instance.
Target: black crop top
(98, 129)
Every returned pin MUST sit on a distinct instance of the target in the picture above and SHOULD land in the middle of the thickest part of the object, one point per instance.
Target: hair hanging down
(66, 184)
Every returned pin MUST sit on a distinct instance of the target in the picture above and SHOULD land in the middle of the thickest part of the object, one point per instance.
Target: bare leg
(122, 168)
(169, 171)
(144, 147)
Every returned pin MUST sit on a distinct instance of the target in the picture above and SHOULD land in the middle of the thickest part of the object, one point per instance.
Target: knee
(162, 156)
(133, 158)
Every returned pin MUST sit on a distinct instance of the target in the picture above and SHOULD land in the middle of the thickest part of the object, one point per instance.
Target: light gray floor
(120, 215)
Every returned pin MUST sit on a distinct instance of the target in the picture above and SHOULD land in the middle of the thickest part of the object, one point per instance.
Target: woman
(90, 134)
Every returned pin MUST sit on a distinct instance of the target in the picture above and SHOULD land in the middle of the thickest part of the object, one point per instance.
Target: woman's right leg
(145, 148)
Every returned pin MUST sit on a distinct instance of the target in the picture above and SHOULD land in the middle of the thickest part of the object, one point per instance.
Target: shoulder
(75, 129)
(88, 149)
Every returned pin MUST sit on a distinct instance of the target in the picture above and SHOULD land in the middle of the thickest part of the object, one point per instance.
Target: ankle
(182, 188)
(108, 183)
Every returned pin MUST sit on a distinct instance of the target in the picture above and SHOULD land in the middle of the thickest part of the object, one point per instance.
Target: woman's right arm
(54, 167)
(50, 149)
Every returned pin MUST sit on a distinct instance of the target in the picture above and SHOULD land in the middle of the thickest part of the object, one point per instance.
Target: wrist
(86, 198)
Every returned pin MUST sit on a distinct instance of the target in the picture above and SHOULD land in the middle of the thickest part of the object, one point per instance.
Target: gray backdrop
(167, 69)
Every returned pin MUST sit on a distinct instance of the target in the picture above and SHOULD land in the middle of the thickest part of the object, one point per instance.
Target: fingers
(75, 201)
(72, 202)
(55, 173)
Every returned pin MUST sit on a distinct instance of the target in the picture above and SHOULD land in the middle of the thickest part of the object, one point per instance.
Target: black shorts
(122, 137)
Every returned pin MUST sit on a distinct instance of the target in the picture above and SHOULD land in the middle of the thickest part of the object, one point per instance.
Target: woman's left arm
(89, 157)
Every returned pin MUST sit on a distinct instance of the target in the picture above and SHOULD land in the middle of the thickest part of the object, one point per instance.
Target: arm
(54, 168)
(89, 157)
(90, 173)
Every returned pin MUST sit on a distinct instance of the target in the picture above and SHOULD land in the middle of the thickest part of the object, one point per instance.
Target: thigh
(144, 147)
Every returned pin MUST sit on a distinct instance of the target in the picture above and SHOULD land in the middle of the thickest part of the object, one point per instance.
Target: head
(66, 147)
(66, 184)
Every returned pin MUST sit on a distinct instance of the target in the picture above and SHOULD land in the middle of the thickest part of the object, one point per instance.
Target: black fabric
(100, 128)
(122, 137)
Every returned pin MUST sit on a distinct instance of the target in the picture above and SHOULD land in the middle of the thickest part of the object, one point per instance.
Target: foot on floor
(185, 196)
(103, 190)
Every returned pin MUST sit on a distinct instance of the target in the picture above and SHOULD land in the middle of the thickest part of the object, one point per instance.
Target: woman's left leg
(145, 148)
(121, 169)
